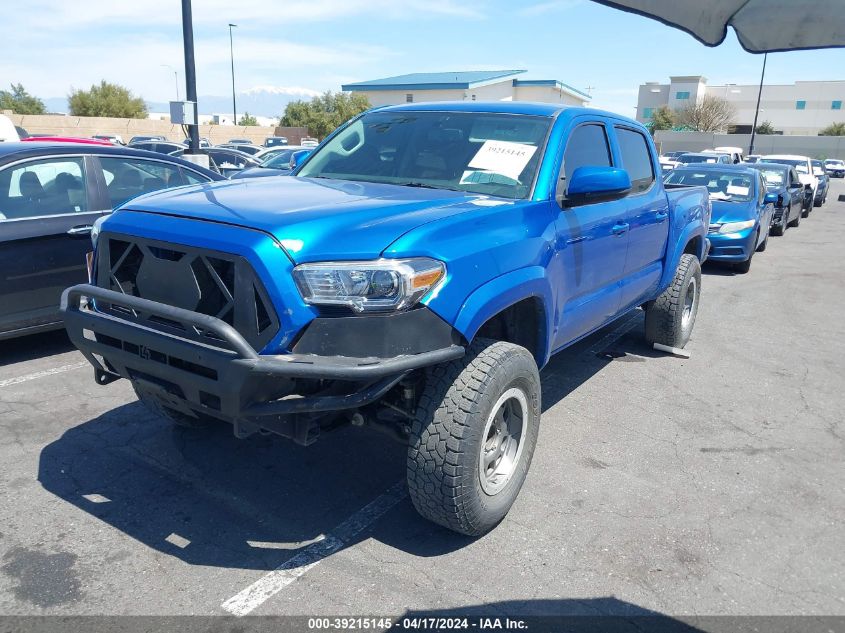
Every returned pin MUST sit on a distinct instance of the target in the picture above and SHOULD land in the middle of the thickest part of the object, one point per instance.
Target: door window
(636, 159)
(587, 147)
(130, 177)
(52, 186)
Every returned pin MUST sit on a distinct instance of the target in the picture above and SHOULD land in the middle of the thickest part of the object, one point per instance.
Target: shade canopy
(762, 26)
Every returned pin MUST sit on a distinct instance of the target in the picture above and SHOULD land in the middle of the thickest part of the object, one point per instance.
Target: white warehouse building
(804, 107)
(494, 85)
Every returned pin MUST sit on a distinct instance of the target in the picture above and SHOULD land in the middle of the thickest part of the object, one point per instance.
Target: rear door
(647, 213)
(45, 220)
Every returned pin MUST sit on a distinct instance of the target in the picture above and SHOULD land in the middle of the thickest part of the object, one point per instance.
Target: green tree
(834, 129)
(248, 119)
(107, 99)
(765, 127)
(323, 114)
(19, 101)
(661, 119)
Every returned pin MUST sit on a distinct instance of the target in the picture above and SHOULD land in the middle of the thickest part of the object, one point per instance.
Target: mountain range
(267, 101)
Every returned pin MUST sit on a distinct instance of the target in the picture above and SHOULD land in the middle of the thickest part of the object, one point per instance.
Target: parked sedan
(281, 164)
(161, 147)
(147, 137)
(695, 158)
(785, 191)
(835, 168)
(741, 216)
(50, 196)
(805, 173)
(824, 183)
(226, 162)
(246, 148)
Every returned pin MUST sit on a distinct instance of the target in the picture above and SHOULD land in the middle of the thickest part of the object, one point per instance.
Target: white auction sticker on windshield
(503, 157)
(737, 191)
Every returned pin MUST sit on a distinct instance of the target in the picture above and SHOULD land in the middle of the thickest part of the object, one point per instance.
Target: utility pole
(175, 78)
(232, 57)
(190, 73)
(757, 111)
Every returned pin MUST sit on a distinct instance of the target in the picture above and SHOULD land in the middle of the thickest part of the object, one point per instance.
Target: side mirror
(596, 184)
(771, 197)
(299, 157)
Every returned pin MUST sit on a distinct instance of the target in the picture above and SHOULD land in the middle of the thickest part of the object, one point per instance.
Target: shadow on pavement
(574, 615)
(210, 499)
(19, 350)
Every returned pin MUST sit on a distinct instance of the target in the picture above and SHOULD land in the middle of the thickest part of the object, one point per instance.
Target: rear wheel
(778, 231)
(473, 436)
(669, 319)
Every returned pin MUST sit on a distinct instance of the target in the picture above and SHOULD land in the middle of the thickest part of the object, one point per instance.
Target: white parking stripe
(272, 583)
(41, 374)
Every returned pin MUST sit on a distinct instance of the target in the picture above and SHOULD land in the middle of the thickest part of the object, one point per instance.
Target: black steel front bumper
(195, 363)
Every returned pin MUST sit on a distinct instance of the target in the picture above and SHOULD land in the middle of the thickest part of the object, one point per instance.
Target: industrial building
(496, 85)
(802, 108)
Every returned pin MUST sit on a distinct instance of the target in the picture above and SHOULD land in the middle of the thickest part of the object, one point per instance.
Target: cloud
(552, 6)
(293, 91)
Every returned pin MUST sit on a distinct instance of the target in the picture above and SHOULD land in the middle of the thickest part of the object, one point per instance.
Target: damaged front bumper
(198, 364)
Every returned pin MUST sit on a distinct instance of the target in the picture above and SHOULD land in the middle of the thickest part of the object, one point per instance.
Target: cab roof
(500, 107)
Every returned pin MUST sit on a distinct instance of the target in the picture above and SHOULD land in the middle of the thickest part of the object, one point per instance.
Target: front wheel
(669, 319)
(779, 230)
(473, 436)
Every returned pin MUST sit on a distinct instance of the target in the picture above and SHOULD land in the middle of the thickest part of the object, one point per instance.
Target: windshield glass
(279, 160)
(800, 165)
(486, 153)
(698, 158)
(722, 185)
(773, 176)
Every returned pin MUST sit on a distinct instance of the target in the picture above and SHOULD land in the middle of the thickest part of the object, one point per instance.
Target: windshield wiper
(423, 185)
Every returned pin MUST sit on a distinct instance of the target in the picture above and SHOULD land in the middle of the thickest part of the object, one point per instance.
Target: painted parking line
(8, 382)
(273, 582)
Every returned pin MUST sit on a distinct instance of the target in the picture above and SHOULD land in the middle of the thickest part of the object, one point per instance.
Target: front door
(45, 222)
(591, 243)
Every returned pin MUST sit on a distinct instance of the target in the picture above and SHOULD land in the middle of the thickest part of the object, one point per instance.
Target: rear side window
(130, 177)
(636, 159)
(587, 147)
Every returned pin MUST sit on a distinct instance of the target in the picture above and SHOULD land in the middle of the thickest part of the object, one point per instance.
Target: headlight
(95, 229)
(736, 227)
(384, 285)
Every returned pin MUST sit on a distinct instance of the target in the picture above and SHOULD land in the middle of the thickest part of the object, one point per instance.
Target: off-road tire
(445, 444)
(177, 417)
(664, 317)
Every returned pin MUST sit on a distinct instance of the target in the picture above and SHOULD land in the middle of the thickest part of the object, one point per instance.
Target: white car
(8, 131)
(835, 168)
(804, 167)
(734, 152)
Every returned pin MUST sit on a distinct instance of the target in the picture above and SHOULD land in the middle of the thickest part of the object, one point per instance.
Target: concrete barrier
(820, 147)
(60, 125)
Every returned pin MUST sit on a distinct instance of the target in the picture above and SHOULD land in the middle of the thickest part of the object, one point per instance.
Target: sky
(303, 47)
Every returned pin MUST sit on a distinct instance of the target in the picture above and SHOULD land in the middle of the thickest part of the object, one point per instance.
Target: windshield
(800, 165)
(690, 159)
(279, 160)
(722, 185)
(773, 176)
(486, 153)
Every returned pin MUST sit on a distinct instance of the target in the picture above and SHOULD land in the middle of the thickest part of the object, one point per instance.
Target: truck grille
(217, 284)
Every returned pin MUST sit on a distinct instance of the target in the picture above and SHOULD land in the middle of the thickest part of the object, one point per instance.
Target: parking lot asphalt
(708, 485)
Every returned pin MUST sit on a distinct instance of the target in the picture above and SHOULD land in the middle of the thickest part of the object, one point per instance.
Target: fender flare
(689, 233)
(502, 292)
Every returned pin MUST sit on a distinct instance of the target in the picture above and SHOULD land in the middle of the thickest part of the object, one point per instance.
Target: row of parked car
(750, 199)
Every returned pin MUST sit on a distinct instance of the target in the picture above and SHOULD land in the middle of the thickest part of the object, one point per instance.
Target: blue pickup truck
(413, 276)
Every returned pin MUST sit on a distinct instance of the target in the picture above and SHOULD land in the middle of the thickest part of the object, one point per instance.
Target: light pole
(190, 71)
(757, 110)
(175, 77)
(232, 56)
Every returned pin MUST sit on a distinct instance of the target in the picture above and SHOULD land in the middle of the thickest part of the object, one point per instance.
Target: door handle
(661, 215)
(80, 231)
(620, 228)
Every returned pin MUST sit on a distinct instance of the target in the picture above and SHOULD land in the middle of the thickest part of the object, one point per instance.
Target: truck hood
(315, 219)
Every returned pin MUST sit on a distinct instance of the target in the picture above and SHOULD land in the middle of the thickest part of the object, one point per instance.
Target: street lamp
(757, 109)
(232, 57)
(175, 77)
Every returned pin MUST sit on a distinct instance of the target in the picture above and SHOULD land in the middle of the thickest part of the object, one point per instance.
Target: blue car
(824, 183)
(741, 217)
(785, 191)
